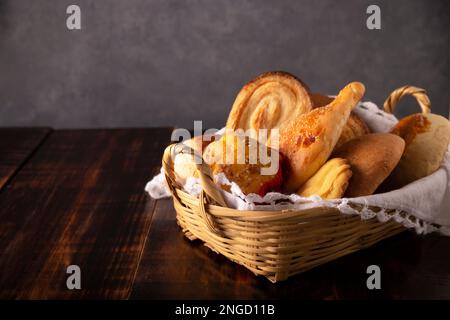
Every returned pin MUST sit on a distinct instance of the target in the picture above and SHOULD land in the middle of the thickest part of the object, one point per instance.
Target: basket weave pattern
(276, 244)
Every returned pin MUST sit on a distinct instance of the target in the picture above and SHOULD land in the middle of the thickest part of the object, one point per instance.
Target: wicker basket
(277, 244)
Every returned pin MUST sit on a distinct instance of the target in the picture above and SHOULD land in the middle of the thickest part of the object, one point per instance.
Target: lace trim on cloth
(278, 201)
(419, 205)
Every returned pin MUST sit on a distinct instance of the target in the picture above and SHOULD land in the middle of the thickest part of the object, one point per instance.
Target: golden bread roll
(372, 158)
(427, 138)
(354, 127)
(184, 164)
(231, 156)
(308, 141)
(329, 182)
(270, 101)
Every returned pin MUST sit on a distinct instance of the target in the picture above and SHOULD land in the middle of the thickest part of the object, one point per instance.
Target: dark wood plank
(16, 145)
(412, 267)
(173, 267)
(79, 200)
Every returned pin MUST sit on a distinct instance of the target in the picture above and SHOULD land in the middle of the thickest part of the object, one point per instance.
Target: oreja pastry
(184, 164)
(372, 158)
(270, 101)
(354, 128)
(239, 158)
(329, 182)
(427, 137)
(308, 141)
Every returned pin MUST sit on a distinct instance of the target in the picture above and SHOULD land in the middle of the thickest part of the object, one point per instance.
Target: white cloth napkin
(426, 201)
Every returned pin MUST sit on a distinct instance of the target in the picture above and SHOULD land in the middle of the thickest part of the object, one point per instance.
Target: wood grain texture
(16, 145)
(79, 200)
(173, 267)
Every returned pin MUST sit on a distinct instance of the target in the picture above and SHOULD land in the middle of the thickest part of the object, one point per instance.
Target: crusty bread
(372, 158)
(329, 182)
(427, 138)
(231, 156)
(308, 141)
(270, 101)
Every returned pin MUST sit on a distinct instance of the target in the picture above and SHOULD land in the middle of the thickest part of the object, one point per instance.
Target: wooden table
(76, 197)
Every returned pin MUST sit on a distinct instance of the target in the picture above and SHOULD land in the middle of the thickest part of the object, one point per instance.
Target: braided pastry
(330, 182)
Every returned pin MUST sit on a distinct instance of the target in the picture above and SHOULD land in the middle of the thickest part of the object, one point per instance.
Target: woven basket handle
(210, 193)
(418, 93)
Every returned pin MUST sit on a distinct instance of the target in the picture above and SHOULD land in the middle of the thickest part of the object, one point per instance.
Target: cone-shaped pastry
(270, 101)
(355, 126)
(309, 140)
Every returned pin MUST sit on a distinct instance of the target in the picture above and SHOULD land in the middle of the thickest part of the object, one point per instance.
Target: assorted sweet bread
(271, 101)
(231, 156)
(426, 137)
(308, 141)
(324, 149)
(372, 158)
(354, 127)
(330, 181)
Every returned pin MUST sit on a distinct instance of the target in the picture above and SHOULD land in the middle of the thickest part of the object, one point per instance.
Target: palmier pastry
(427, 137)
(239, 159)
(271, 101)
(308, 141)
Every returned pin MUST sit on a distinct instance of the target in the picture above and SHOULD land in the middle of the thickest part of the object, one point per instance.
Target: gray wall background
(170, 62)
